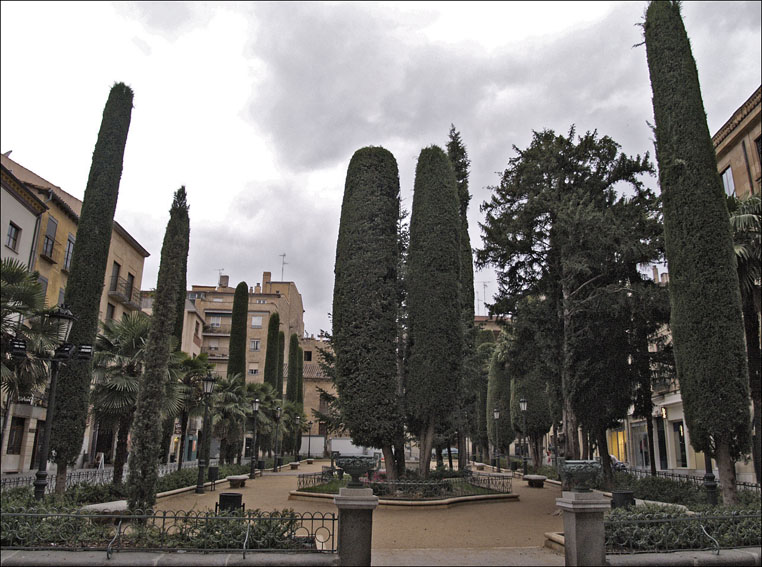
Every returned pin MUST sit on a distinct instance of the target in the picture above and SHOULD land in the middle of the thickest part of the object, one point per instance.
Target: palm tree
(229, 412)
(191, 373)
(745, 224)
(268, 401)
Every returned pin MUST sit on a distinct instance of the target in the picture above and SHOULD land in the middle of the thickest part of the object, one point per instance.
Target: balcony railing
(48, 249)
(124, 292)
(217, 329)
(215, 352)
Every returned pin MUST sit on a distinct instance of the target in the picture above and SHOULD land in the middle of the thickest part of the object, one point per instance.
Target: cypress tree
(292, 384)
(458, 156)
(86, 277)
(500, 433)
(434, 306)
(706, 319)
(271, 352)
(143, 476)
(237, 357)
(365, 303)
(300, 376)
(281, 360)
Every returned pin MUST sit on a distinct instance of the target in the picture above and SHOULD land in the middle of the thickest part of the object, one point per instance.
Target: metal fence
(468, 485)
(655, 534)
(90, 476)
(169, 531)
(696, 480)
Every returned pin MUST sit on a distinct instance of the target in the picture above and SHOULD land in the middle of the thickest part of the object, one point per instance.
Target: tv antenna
(283, 264)
(484, 293)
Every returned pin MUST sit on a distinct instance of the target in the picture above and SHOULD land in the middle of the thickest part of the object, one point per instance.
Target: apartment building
(51, 242)
(20, 217)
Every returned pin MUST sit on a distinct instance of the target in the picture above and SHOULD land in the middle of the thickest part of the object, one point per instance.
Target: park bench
(479, 466)
(535, 480)
(238, 480)
(294, 465)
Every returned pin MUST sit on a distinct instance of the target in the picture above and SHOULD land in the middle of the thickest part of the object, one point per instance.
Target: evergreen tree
(706, 316)
(281, 361)
(300, 376)
(143, 475)
(292, 384)
(86, 277)
(434, 305)
(501, 432)
(365, 304)
(238, 327)
(458, 156)
(271, 352)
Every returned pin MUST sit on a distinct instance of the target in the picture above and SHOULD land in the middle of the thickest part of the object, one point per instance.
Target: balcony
(49, 246)
(218, 330)
(124, 292)
(216, 353)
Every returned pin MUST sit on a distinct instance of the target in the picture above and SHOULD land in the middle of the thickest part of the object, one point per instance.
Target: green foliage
(499, 397)
(281, 360)
(300, 375)
(704, 291)
(88, 271)
(238, 326)
(292, 384)
(365, 300)
(146, 438)
(271, 353)
(229, 412)
(434, 305)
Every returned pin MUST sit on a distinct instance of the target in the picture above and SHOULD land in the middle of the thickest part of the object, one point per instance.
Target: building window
(261, 301)
(50, 237)
(110, 311)
(256, 322)
(69, 252)
(44, 283)
(727, 182)
(254, 344)
(758, 143)
(215, 321)
(682, 460)
(253, 369)
(307, 356)
(61, 294)
(15, 436)
(14, 233)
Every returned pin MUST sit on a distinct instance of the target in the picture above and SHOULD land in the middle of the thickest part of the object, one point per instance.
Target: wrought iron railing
(696, 480)
(125, 291)
(169, 531)
(655, 533)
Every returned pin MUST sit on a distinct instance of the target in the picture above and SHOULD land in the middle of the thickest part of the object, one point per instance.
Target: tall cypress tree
(237, 357)
(281, 360)
(706, 319)
(365, 303)
(501, 432)
(458, 156)
(86, 277)
(434, 306)
(141, 484)
(300, 375)
(271, 352)
(293, 369)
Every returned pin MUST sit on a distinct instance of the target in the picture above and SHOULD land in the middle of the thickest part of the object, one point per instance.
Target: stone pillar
(356, 507)
(584, 538)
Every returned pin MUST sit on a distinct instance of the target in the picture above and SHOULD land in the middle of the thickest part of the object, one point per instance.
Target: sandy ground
(506, 524)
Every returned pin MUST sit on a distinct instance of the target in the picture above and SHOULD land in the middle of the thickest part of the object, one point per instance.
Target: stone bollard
(356, 507)
(584, 537)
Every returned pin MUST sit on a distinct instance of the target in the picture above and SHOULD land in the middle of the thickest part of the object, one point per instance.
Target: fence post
(584, 537)
(356, 507)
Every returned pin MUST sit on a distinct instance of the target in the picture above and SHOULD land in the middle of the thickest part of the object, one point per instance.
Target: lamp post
(523, 405)
(61, 320)
(208, 383)
(254, 411)
(709, 483)
(277, 432)
(496, 417)
(309, 439)
(296, 438)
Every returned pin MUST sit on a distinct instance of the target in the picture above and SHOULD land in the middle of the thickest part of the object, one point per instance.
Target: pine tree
(365, 303)
(238, 319)
(86, 277)
(143, 475)
(706, 317)
(434, 305)
(292, 384)
(271, 352)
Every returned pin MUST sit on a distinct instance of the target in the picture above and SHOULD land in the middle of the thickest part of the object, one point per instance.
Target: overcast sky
(257, 108)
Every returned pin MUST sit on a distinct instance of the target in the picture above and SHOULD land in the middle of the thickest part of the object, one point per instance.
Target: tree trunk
(449, 456)
(399, 458)
(168, 427)
(389, 462)
(183, 435)
(571, 438)
(427, 440)
(121, 453)
(61, 478)
(242, 444)
(751, 330)
(585, 443)
(726, 467)
(462, 451)
(223, 451)
(608, 473)
(535, 445)
(651, 452)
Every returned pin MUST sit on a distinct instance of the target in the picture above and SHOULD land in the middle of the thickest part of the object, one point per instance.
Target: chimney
(266, 282)
(258, 289)
(251, 289)
(224, 280)
(665, 278)
(656, 274)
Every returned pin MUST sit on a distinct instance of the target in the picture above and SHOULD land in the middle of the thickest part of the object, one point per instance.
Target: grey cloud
(170, 19)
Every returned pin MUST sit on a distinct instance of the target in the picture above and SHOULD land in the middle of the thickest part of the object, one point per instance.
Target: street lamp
(296, 437)
(496, 416)
(523, 406)
(254, 411)
(277, 432)
(208, 384)
(61, 320)
(709, 483)
(309, 439)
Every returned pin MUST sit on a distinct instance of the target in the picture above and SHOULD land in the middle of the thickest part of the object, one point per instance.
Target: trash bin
(230, 501)
(622, 498)
(214, 473)
(261, 464)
